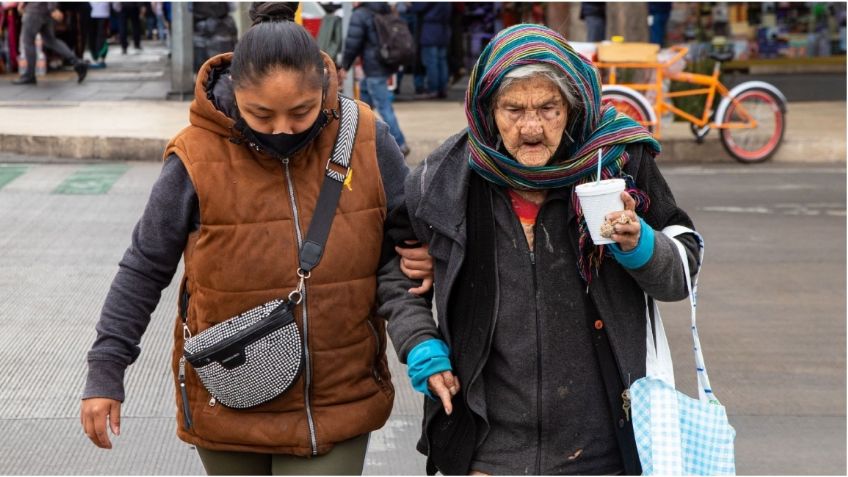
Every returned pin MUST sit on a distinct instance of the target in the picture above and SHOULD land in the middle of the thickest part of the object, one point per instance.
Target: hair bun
(261, 12)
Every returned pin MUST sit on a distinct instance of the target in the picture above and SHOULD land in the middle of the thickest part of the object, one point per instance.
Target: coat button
(621, 423)
(599, 324)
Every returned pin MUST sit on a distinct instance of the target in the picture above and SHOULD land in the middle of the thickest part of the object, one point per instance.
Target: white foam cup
(597, 199)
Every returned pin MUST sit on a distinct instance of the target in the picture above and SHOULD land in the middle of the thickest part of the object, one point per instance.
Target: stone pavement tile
(76, 94)
(151, 90)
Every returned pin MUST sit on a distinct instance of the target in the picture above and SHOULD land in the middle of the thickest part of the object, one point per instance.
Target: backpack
(396, 45)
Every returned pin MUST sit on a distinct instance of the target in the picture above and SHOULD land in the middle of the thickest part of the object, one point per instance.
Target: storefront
(768, 30)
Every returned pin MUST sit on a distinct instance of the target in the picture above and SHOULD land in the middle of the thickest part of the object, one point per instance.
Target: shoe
(405, 150)
(82, 70)
(426, 96)
(97, 65)
(25, 80)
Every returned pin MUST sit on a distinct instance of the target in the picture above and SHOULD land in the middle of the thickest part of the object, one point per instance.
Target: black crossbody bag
(258, 355)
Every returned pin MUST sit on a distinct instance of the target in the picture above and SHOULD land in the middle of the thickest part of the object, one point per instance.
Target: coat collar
(444, 188)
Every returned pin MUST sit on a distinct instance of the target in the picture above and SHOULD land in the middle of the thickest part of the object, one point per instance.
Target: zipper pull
(625, 405)
(532, 258)
(184, 394)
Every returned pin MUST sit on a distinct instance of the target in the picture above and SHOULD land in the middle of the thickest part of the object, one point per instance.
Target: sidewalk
(120, 114)
(139, 130)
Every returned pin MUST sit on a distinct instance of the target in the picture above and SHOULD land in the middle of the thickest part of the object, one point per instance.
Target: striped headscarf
(592, 127)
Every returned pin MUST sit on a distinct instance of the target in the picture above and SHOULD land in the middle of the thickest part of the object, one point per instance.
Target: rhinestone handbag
(258, 355)
(250, 359)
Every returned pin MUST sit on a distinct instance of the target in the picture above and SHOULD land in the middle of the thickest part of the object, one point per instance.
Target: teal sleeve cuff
(640, 255)
(426, 359)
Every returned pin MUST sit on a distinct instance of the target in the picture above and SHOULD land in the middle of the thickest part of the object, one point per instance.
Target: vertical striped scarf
(593, 128)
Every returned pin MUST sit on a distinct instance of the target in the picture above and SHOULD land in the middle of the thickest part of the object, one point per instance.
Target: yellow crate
(628, 52)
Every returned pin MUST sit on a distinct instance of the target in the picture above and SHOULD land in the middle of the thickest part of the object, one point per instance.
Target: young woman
(237, 194)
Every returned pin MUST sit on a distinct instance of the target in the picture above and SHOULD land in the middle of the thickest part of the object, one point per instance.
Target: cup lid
(598, 188)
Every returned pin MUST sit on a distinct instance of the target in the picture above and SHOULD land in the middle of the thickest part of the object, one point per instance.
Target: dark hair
(275, 41)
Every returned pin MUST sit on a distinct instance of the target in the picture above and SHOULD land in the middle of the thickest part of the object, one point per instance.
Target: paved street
(771, 309)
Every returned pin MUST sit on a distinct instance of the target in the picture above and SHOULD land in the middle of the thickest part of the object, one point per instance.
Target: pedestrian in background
(435, 19)
(215, 30)
(595, 16)
(658, 14)
(76, 26)
(130, 15)
(162, 28)
(97, 44)
(363, 42)
(236, 186)
(10, 25)
(38, 18)
(414, 69)
(456, 50)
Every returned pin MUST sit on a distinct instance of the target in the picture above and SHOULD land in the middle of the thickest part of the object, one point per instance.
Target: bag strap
(661, 351)
(337, 169)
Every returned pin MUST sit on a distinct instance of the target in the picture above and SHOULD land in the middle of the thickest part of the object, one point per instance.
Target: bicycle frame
(661, 105)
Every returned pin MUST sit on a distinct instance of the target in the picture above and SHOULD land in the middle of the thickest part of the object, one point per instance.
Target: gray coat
(436, 200)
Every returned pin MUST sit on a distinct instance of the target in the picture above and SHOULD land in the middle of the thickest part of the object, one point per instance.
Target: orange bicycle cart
(750, 117)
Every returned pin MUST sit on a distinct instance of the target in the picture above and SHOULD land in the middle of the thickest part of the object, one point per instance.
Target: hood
(214, 107)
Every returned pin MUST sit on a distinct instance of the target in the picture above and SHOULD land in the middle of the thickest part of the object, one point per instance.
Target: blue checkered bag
(676, 434)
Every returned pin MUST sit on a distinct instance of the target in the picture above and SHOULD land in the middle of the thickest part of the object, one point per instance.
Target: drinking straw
(600, 159)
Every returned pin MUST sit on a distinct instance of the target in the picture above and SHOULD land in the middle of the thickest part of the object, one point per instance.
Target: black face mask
(283, 144)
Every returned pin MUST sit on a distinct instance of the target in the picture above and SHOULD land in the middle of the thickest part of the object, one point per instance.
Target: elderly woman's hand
(417, 264)
(445, 385)
(626, 235)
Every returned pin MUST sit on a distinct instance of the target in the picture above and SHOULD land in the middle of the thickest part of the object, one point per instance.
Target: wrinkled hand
(417, 264)
(444, 385)
(93, 415)
(626, 235)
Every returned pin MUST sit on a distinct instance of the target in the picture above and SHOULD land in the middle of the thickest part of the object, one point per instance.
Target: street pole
(242, 18)
(347, 10)
(182, 53)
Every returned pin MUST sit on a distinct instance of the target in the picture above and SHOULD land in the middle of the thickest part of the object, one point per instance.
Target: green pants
(346, 458)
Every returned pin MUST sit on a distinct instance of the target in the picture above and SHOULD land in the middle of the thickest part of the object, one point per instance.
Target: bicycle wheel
(627, 103)
(750, 145)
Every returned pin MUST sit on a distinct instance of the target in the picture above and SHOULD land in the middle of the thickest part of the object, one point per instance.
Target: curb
(85, 147)
(675, 150)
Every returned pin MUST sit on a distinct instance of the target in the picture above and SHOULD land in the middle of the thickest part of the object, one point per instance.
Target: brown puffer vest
(254, 210)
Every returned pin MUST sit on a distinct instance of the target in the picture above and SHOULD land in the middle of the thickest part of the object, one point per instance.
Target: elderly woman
(539, 332)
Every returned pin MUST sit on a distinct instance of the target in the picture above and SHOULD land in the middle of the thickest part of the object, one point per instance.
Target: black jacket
(436, 195)
(435, 21)
(362, 40)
